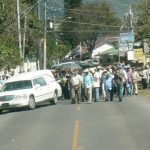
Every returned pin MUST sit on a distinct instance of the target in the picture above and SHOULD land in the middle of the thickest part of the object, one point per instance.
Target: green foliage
(7, 19)
(143, 20)
(69, 4)
(9, 53)
(9, 57)
(9, 31)
(90, 21)
(54, 51)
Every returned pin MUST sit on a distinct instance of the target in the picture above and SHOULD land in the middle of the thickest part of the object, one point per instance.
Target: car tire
(32, 104)
(54, 101)
(1, 111)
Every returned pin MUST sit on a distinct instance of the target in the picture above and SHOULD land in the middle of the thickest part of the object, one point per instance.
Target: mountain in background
(119, 6)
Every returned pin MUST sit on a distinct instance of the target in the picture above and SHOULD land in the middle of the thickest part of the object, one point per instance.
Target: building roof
(101, 49)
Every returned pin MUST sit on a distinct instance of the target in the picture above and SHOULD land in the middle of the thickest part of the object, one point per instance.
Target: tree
(8, 26)
(9, 53)
(9, 57)
(143, 20)
(70, 4)
(89, 22)
(54, 51)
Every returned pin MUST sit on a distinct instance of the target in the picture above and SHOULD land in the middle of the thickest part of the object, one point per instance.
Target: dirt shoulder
(145, 93)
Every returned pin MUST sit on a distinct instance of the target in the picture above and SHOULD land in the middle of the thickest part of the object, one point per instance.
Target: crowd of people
(101, 83)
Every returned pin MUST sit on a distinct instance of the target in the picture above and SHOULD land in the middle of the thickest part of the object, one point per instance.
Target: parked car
(1, 83)
(29, 89)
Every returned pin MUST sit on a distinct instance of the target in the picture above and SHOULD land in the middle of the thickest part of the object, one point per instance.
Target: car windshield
(17, 85)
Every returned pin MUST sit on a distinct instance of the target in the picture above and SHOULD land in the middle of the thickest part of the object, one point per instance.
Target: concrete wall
(27, 66)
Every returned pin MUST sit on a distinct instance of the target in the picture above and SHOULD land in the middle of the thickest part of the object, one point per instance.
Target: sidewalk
(145, 92)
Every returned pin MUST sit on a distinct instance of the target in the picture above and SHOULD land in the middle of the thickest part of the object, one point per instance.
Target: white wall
(27, 66)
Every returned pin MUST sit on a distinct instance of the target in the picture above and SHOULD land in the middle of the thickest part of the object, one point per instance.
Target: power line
(98, 31)
(29, 9)
(85, 32)
(89, 14)
(92, 24)
(22, 14)
(76, 10)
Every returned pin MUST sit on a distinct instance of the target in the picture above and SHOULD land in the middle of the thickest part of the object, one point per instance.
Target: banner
(139, 55)
(126, 41)
(130, 55)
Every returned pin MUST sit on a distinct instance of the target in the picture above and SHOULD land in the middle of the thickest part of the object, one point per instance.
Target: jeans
(109, 94)
(119, 90)
(96, 93)
(129, 88)
(88, 93)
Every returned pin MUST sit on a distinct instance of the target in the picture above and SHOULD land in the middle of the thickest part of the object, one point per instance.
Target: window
(49, 79)
(39, 81)
(17, 85)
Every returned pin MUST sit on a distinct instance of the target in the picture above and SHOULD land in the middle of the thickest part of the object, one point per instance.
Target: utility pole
(45, 30)
(39, 62)
(24, 37)
(131, 19)
(54, 26)
(39, 10)
(19, 32)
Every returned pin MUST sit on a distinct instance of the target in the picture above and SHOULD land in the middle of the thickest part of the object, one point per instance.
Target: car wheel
(32, 104)
(55, 99)
(1, 111)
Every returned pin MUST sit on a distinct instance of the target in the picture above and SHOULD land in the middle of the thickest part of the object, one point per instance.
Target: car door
(51, 83)
(41, 89)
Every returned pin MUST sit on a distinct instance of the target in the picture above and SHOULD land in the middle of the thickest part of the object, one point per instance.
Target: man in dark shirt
(118, 78)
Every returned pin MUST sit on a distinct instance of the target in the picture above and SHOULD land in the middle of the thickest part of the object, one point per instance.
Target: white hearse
(29, 89)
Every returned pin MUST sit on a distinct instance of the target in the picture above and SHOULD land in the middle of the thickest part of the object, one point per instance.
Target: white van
(28, 89)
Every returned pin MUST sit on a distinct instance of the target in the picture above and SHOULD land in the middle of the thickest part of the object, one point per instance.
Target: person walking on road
(135, 77)
(88, 83)
(76, 85)
(108, 85)
(129, 81)
(103, 78)
(145, 77)
(96, 86)
(118, 80)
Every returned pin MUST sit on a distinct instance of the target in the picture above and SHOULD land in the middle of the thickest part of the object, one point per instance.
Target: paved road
(97, 126)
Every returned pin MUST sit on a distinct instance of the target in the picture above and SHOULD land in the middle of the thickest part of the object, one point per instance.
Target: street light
(64, 20)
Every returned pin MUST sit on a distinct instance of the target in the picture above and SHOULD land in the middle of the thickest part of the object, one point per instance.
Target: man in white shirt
(76, 81)
(135, 77)
(145, 77)
(96, 85)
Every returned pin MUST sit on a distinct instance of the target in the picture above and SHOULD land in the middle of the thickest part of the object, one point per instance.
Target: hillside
(120, 6)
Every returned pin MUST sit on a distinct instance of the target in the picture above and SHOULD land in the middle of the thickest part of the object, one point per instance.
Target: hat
(128, 66)
(67, 75)
(99, 67)
(104, 70)
(86, 70)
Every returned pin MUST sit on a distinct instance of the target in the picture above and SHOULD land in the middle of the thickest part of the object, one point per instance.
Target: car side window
(49, 79)
(39, 81)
